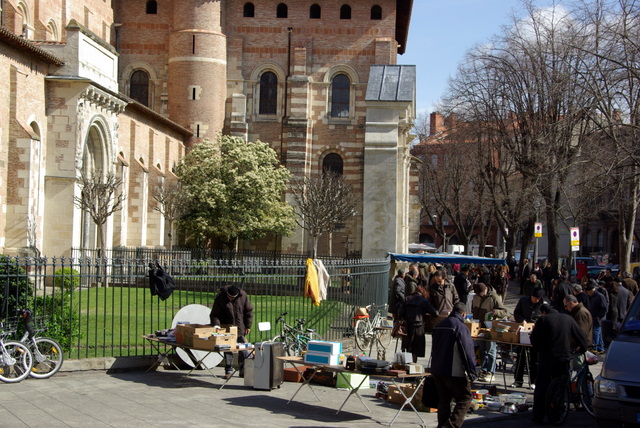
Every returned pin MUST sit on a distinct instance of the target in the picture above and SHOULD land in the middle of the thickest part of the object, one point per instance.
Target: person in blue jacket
(453, 367)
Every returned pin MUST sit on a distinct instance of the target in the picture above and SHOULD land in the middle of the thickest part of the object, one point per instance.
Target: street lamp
(536, 207)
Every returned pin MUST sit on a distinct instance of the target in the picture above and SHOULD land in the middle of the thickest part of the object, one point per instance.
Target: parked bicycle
(370, 330)
(295, 339)
(16, 360)
(571, 388)
(47, 353)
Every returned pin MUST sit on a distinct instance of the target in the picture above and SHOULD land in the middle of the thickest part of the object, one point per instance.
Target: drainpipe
(286, 97)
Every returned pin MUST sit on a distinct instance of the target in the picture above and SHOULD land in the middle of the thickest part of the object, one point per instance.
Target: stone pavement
(100, 398)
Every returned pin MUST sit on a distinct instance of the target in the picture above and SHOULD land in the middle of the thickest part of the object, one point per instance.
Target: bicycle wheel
(15, 363)
(47, 358)
(586, 393)
(557, 401)
(289, 346)
(384, 337)
(363, 334)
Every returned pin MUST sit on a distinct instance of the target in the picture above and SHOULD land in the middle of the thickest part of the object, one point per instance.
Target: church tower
(197, 67)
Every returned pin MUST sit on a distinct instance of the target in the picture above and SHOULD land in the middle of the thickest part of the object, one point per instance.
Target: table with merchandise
(298, 362)
(157, 341)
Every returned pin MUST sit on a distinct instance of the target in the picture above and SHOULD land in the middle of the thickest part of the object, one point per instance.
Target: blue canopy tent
(445, 258)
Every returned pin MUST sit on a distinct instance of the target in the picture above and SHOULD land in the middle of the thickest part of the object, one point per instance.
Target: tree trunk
(102, 262)
(627, 213)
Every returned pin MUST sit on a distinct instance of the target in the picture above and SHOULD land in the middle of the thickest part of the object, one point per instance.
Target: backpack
(160, 282)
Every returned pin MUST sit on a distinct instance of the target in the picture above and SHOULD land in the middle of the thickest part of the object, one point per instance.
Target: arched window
(332, 162)
(345, 11)
(315, 11)
(376, 12)
(139, 87)
(152, 7)
(268, 93)
(249, 10)
(282, 11)
(340, 87)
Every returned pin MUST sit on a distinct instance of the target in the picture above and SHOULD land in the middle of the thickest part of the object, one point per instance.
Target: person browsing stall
(453, 367)
(233, 307)
(551, 339)
(487, 302)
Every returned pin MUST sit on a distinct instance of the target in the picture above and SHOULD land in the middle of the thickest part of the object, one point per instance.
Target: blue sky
(441, 32)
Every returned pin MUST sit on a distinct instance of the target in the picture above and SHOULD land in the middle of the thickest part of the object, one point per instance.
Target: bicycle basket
(361, 313)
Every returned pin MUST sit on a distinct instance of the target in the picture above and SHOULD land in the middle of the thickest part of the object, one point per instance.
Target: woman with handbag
(413, 311)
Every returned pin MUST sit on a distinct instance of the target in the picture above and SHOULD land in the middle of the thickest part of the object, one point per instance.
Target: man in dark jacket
(551, 339)
(624, 299)
(563, 289)
(580, 295)
(461, 282)
(453, 367)
(233, 307)
(528, 309)
(598, 308)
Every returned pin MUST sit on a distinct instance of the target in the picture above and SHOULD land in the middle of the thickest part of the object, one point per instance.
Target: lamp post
(536, 207)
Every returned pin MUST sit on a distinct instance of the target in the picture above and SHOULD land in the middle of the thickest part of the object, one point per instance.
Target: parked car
(617, 388)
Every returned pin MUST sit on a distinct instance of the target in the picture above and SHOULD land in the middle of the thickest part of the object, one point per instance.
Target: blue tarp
(446, 258)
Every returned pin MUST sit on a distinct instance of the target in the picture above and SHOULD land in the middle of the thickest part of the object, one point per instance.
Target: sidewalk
(166, 398)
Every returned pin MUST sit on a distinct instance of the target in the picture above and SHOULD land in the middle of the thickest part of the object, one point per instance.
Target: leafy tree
(236, 191)
(322, 203)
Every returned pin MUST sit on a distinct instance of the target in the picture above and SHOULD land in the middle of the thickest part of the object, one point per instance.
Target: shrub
(67, 279)
(15, 288)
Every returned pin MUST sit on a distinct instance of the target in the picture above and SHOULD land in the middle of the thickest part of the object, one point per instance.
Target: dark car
(617, 389)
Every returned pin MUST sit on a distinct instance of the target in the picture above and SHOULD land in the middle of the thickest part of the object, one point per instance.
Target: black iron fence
(100, 307)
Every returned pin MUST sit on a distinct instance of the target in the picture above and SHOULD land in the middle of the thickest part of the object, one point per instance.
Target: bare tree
(100, 197)
(523, 92)
(322, 203)
(609, 71)
(173, 204)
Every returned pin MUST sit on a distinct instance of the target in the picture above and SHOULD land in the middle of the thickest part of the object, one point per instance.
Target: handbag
(399, 328)
(430, 393)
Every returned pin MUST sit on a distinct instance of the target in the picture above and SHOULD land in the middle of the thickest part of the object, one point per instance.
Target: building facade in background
(129, 86)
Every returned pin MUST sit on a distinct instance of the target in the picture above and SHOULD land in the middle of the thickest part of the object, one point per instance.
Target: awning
(446, 258)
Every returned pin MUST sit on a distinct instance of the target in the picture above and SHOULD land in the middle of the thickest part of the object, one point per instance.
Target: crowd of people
(570, 318)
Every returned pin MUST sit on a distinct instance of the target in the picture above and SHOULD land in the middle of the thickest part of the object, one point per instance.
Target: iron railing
(102, 307)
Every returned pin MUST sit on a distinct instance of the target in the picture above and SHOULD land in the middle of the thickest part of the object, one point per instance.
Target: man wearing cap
(562, 289)
(598, 308)
(630, 283)
(528, 309)
(233, 307)
(581, 315)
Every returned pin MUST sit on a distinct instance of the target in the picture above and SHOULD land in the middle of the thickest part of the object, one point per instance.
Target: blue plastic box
(322, 358)
(332, 348)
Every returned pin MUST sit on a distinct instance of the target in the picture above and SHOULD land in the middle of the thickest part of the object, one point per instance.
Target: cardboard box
(186, 332)
(321, 346)
(396, 397)
(474, 327)
(322, 358)
(209, 342)
(513, 326)
(352, 380)
(508, 337)
(525, 337)
(292, 375)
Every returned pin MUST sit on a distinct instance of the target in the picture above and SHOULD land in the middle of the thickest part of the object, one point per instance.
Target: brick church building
(129, 86)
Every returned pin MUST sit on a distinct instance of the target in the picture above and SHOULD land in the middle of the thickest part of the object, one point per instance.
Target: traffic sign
(537, 231)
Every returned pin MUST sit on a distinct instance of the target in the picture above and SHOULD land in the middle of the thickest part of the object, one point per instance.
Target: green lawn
(112, 320)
